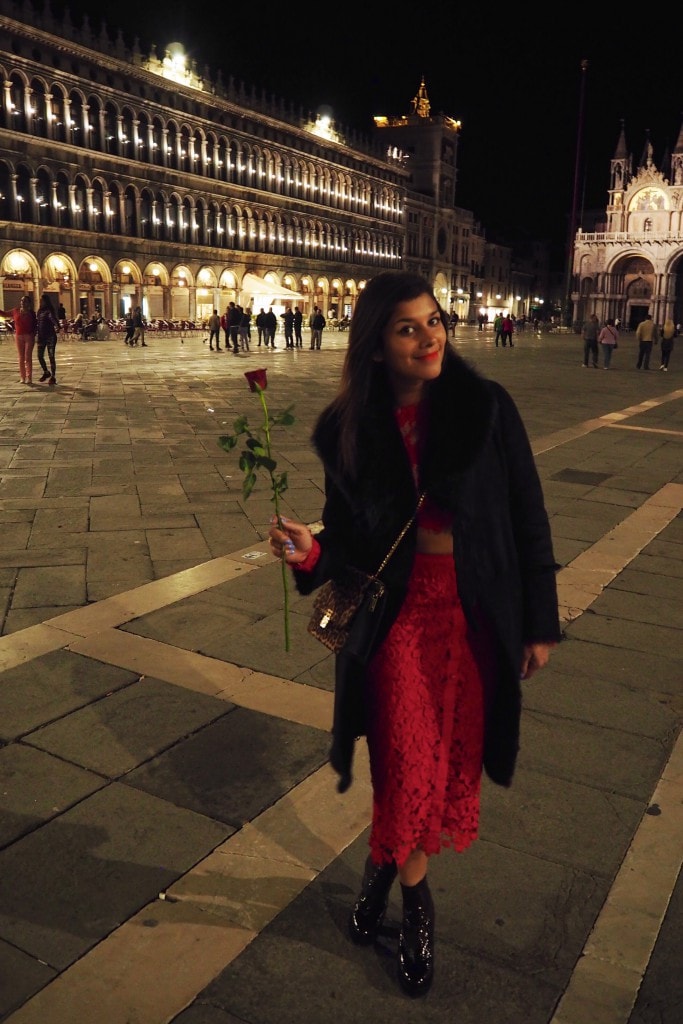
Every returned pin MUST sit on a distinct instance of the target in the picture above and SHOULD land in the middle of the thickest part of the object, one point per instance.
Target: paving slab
(98, 863)
(50, 687)
(128, 727)
(228, 770)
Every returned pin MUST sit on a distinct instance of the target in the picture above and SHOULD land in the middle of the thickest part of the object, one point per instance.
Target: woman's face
(414, 341)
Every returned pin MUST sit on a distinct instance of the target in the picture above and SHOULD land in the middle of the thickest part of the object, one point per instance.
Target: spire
(646, 158)
(421, 105)
(621, 152)
(678, 148)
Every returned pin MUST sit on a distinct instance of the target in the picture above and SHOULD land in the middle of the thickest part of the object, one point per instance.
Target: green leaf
(256, 446)
(247, 462)
(241, 425)
(248, 485)
(284, 419)
(227, 442)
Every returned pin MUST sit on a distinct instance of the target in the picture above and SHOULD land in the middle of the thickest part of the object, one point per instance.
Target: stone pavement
(172, 846)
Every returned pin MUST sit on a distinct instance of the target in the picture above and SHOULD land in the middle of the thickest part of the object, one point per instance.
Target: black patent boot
(368, 912)
(416, 942)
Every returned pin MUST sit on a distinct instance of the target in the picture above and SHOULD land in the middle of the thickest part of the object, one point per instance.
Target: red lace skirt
(426, 722)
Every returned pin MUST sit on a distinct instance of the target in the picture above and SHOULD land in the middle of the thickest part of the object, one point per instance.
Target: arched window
(75, 124)
(146, 214)
(114, 211)
(59, 116)
(80, 202)
(127, 144)
(17, 92)
(63, 214)
(38, 109)
(43, 197)
(130, 221)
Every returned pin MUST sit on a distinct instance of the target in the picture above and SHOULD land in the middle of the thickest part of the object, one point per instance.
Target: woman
(472, 603)
(25, 335)
(48, 325)
(608, 338)
(668, 335)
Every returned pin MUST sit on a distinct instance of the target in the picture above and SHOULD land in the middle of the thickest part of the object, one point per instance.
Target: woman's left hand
(535, 656)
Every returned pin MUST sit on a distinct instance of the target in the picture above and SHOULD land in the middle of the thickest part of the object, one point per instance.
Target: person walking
(233, 316)
(288, 320)
(646, 336)
(271, 328)
(47, 327)
(589, 333)
(25, 326)
(668, 335)
(139, 324)
(130, 328)
(261, 327)
(317, 327)
(608, 340)
(244, 329)
(498, 328)
(298, 323)
(471, 599)
(507, 330)
(215, 330)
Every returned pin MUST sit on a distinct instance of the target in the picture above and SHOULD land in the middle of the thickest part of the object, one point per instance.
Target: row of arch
(632, 286)
(165, 290)
(37, 196)
(47, 110)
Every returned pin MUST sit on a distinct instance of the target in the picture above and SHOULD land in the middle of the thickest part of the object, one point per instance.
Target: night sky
(515, 83)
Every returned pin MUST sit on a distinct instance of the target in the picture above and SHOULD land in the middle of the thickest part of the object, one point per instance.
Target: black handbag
(348, 610)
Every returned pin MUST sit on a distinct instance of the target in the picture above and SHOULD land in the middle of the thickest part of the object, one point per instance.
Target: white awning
(255, 285)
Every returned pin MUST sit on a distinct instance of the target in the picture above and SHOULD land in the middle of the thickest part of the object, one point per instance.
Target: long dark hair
(361, 373)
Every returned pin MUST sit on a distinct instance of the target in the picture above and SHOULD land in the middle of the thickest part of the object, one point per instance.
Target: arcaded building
(136, 179)
(633, 264)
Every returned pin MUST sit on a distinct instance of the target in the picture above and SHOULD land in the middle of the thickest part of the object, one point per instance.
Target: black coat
(477, 464)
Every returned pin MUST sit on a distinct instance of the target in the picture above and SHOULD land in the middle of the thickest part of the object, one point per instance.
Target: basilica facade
(633, 265)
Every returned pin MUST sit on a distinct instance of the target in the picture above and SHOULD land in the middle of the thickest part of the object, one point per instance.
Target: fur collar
(462, 409)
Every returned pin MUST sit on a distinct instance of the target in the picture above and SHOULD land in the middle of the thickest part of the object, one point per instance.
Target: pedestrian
(440, 696)
(61, 313)
(271, 328)
(215, 330)
(298, 323)
(225, 318)
(453, 321)
(25, 326)
(47, 327)
(130, 328)
(498, 328)
(507, 330)
(589, 333)
(233, 318)
(317, 326)
(608, 339)
(668, 335)
(262, 328)
(647, 337)
(244, 329)
(139, 324)
(288, 320)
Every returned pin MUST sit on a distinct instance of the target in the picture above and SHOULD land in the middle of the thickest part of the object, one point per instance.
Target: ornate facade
(635, 265)
(130, 180)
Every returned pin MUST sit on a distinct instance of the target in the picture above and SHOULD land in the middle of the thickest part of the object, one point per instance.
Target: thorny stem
(276, 502)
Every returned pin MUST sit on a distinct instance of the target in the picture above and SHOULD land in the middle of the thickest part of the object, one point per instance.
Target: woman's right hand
(293, 542)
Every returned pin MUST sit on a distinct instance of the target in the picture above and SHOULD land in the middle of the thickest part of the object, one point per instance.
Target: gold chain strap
(401, 535)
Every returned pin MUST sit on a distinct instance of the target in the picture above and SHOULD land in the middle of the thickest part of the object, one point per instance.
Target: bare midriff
(434, 542)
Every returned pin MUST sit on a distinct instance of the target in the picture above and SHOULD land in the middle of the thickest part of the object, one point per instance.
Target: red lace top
(410, 419)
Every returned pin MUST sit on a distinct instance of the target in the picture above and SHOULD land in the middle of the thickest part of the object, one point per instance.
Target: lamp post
(575, 196)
